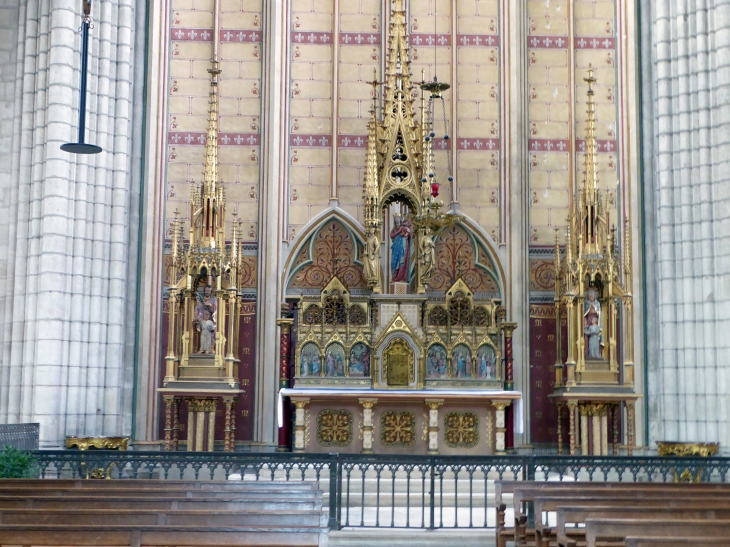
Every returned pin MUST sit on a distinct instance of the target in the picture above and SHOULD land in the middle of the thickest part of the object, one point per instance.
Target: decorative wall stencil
(330, 252)
(310, 361)
(397, 428)
(461, 429)
(334, 428)
(542, 275)
(459, 256)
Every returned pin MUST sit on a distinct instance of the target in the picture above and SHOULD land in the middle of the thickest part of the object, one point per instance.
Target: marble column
(584, 435)
(300, 424)
(433, 424)
(367, 424)
(500, 429)
(685, 76)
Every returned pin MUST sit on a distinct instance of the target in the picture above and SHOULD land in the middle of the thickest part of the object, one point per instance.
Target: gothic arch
(463, 252)
(330, 246)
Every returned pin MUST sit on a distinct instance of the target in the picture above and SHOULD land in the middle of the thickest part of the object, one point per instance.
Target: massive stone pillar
(685, 72)
(69, 233)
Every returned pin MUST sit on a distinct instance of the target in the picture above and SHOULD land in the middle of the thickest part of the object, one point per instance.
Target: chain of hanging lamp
(435, 89)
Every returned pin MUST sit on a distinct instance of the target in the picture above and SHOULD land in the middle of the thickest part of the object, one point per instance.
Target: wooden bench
(156, 493)
(612, 532)
(662, 541)
(150, 536)
(151, 484)
(105, 513)
(527, 491)
(145, 516)
(577, 510)
(169, 504)
(580, 514)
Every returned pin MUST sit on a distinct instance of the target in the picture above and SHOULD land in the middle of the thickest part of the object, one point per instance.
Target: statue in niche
(206, 327)
(206, 307)
(400, 247)
(592, 331)
(428, 257)
(371, 266)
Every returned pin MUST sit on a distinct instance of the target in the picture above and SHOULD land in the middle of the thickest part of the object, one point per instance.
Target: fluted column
(69, 281)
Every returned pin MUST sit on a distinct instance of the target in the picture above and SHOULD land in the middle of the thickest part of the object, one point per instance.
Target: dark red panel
(543, 413)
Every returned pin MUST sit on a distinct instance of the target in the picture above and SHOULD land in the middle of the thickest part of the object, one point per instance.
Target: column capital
(285, 324)
(508, 328)
(368, 403)
(433, 404)
(500, 404)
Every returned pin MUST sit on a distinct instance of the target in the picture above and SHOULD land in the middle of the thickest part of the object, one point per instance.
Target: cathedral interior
(455, 227)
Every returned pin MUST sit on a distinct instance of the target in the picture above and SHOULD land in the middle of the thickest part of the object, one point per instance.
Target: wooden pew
(165, 504)
(151, 536)
(523, 491)
(580, 514)
(144, 516)
(604, 532)
(153, 484)
(153, 493)
(662, 542)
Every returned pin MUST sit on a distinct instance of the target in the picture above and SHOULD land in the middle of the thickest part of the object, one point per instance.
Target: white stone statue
(207, 333)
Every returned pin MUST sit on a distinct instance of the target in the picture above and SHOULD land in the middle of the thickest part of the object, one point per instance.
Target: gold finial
(590, 80)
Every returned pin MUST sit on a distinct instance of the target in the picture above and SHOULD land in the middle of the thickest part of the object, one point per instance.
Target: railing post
(530, 476)
(432, 502)
(335, 472)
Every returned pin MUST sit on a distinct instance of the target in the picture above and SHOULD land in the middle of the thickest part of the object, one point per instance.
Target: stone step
(393, 537)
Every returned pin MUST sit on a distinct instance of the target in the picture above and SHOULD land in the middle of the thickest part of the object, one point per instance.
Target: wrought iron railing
(386, 490)
(20, 436)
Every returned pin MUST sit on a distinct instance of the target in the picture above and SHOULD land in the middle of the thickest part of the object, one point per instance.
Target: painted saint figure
(436, 362)
(400, 237)
(461, 362)
(486, 363)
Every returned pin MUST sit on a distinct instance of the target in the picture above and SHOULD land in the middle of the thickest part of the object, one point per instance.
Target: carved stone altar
(397, 330)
